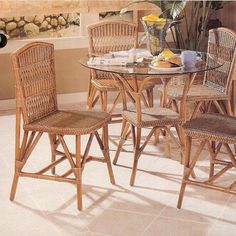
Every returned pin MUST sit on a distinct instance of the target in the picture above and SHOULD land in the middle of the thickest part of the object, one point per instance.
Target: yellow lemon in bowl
(167, 53)
(150, 17)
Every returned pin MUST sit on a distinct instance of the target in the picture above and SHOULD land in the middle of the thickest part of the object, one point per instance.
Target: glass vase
(156, 35)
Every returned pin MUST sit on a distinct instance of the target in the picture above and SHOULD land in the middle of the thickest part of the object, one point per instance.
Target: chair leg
(157, 136)
(79, 172)
(103, 100)
(188, 141)
(14, 186)
(17, 152)
(161, 99)
(174, 106)
(137, 154)
(212, 164)
(181, 134)
(229, 108)
(22, 156)
(122, 140)
(124, 122)
(107, 155)
(150, 96)
(90, 96)
(133, 135)
(52, 138)
(167, 145)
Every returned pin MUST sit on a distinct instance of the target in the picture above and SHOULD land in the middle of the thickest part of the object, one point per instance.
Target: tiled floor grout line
(220, 214)
(156, 217)
(130, 211)
(184, 220)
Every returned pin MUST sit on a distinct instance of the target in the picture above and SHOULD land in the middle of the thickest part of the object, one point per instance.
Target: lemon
(167, 53)
(151, 17)
(161, 20)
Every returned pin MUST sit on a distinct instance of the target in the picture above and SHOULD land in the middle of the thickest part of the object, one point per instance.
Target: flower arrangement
(156, 29)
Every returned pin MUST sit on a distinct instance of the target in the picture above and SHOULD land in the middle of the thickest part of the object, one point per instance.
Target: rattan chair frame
(36, 102)
(160, 120)
(214, 140)
(101, 36)
(218, 82)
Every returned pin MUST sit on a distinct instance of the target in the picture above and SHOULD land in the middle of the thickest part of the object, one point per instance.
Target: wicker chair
(216, 87)
(36, 101)
(104, 37)
(152, 117)
(209, 130)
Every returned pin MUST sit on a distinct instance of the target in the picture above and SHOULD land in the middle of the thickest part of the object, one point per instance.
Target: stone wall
(32, 26)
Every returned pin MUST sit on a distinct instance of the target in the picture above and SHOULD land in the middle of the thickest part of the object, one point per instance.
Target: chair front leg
(149, 93)
(53, 144)
(103, 99)
(18, 165)
(137, 153)
(187, 151)
(106, 154)
(122, 141)
(78, 171)
(26, 148)
(17, 152)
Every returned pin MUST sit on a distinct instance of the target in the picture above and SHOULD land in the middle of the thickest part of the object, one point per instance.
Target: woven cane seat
(70, 122)
(110, 84)
(196, 93)
(214, 127)
(155, 116)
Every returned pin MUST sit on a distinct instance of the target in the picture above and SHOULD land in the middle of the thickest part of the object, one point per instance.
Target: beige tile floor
(149, 208)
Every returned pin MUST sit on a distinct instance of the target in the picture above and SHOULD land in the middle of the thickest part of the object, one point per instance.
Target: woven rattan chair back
(221, 44)
(35, 80)
(111, 36)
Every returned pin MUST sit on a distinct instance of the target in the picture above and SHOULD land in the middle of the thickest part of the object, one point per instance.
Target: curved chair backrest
(34, 73)
(221, 44)
(111, 36)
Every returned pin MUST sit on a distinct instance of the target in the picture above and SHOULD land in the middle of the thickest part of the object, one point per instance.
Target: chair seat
(196, 93)
(70, 122)
(215, 127)
(154, 116)
(110, 84)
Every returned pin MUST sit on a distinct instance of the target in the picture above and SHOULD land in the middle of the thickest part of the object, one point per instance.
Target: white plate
(170, 69)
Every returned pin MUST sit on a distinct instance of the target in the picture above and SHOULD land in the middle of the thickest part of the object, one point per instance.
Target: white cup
(188, 58)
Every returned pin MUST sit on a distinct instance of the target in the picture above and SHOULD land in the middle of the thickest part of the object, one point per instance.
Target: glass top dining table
(205, 62)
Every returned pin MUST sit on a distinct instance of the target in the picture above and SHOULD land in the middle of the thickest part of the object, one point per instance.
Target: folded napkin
(117, 61)
(135, 52)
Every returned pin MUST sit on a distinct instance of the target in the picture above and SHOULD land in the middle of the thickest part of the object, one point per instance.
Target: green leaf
(177, 8)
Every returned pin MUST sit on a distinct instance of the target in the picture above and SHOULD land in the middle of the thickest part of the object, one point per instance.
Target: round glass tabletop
(205, 62)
